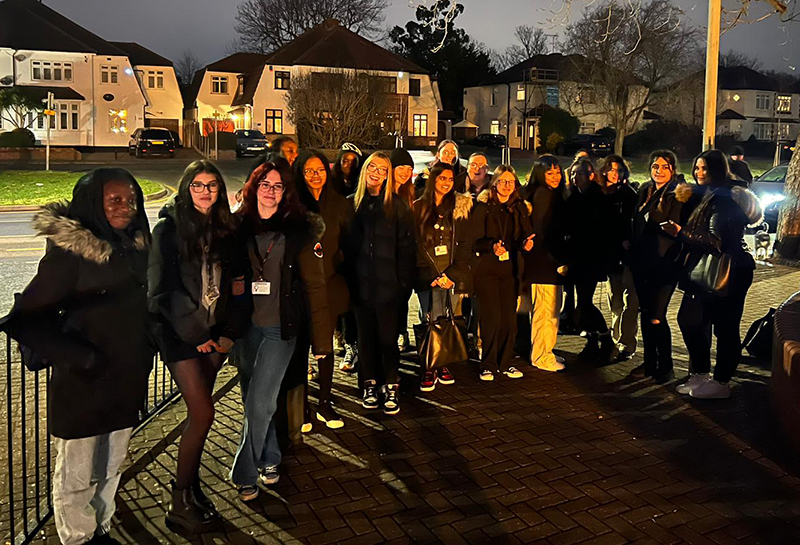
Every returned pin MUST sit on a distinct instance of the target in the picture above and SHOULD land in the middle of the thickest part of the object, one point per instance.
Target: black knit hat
(401, 157)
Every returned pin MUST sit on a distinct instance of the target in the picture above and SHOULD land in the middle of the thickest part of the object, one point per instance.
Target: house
(100, 88)
(511, 102)
(749, 105)
(248, 90)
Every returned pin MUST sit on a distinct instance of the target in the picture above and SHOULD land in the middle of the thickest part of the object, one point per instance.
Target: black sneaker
(370, 399)
(325, 413)
(391, 404)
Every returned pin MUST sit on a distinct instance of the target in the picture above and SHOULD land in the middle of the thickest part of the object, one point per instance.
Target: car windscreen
(777, 174)
(156, 135)
(249, 134)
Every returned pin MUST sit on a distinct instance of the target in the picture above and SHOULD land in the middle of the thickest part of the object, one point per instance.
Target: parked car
(151, 142)
(488, 141)
(769, 189)
(250, 142)
(597, 144)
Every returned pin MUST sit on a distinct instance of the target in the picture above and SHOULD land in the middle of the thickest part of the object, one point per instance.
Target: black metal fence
(25, 447)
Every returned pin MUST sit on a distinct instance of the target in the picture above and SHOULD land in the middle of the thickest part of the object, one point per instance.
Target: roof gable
(141, 56)
(565, 64)
(238, 63)
(741, 78)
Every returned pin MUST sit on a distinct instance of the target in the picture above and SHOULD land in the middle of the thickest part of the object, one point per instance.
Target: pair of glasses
(507, 183)
(270, 188)
(309, 172)
(197, 187)
(380, 170)
(477, 165)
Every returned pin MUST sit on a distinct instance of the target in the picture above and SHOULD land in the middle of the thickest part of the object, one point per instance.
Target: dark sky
(207, 26)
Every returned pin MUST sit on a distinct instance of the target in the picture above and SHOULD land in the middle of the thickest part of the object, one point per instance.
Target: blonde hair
(361, 190)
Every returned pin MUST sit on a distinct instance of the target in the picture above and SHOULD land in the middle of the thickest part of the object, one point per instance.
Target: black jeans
(347, 325)
(699, 312)
(655, 291)
(498, 318)
(377, 341)
(402, 313)
(588, 316)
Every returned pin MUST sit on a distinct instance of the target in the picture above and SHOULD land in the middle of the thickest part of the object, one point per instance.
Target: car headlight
(768, 199)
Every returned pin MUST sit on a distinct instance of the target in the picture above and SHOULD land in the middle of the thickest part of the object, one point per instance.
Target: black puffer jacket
(652, 247)
(622, 199)
(548, 222)
(717, 226)
(303, 293)
(381, 253)
(175, 286)
(85, 312)
(492, 222)
(459, 270)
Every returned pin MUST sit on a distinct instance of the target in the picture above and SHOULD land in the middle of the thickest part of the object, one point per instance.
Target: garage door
(172, 125)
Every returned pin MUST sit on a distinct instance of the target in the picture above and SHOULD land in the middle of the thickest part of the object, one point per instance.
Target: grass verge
(27, 187)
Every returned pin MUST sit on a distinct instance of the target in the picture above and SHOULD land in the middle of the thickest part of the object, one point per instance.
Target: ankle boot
(202, 500)
(608, 351)
(184, 514)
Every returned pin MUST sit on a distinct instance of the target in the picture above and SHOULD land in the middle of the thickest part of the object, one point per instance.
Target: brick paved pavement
(586, 456)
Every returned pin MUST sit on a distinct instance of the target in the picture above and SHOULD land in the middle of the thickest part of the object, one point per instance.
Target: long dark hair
(536, 177)
(194, 226)
(303, 193)
(717, 166)
(669, 157)
(429, 215)
(608, 163)
(289, 206)
(87, 208)
(589, 166)
(355, 168)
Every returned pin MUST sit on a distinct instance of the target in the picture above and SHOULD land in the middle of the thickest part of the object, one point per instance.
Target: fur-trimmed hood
(69, 234)
(749, 204)
(484, 195)
(463, 206)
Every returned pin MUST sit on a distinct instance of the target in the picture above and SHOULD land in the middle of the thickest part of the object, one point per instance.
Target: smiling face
(444, 183)
(506, 184)
(119, 203)
(701, 172)
(315, 174)
(270, 190)
(612, 175)
(205, 191)
(448, 154)
(377, 171)
(402, 174)
(553, 177)
(477, 167)
(661, 171)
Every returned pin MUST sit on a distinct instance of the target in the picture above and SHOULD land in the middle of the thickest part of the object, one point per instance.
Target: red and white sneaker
(445, 376)
(428, 382)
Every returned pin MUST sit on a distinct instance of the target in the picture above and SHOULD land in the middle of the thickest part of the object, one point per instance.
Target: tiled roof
(565, 64)
(141, 56)
(731, 114)
(238, 63)
(741, 77)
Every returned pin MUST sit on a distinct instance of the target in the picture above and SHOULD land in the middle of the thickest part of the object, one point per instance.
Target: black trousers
(377, 341)
(402, 313)
(700, 312)
(498, 321)
(347, 325)
(587, 316)
(325, 380)
(655, 291)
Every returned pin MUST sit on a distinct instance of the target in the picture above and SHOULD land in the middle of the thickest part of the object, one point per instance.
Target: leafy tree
(265, 25)
(447, 52)
(16, 105)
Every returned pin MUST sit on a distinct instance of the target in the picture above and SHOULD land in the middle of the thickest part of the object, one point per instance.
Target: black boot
(184, 514)
(202, 500)
(591, 351)
(608, 350)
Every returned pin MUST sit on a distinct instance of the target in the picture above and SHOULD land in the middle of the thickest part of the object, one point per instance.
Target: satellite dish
(20, 57)
(7, 80)
(108, 97)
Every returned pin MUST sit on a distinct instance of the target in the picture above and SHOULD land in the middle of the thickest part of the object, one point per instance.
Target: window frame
(521, 92)
(420, 122)
(272, 116)
(282, 80)
(157, 76)
(109, 74)
(781, 101)
(414, 87)
(218, 81)
(494, 127)
(763, 98)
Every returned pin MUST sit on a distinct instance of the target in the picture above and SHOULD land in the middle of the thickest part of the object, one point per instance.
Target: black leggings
(377, 342)
(347, 325)
(498, 317)
(655, 292)
(588, 316)
(325, 379)
(195, 379)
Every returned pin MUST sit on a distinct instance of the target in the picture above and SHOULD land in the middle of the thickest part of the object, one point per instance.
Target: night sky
(207, 26)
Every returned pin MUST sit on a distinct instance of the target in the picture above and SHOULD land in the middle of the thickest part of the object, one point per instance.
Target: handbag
(712, 273)
(444, 343)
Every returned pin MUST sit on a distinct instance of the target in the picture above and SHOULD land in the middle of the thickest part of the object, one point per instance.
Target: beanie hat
(401, 157)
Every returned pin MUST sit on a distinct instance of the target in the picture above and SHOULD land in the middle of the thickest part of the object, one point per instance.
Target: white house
(99, 100)
(247, 90)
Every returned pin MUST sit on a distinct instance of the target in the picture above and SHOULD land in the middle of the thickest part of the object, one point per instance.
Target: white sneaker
(553, 366)
(711, 389)
(693, 382)
(348, 363)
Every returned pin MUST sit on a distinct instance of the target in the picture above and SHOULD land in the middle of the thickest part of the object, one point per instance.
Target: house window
(495, 127)
(51, 71)
(493, 100)
(544, 74)
(155, 79)
(783, 104)
(63, 117)
(414, 85)
(762, 131)
(521, 93)
(762, 101)
(552, 96)
(109, 74)
(74, 116)
(282, 80)
(273, 121)
(219, 85)
(587, 128)
(520, 129)
(118, 121)
(420, 124)
(67, 115)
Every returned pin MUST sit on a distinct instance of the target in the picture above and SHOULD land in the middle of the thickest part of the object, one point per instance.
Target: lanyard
(257, 255)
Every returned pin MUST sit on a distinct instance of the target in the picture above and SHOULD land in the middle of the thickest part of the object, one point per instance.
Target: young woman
(622, 299)
(190, 290)
(286, 147)
(285, 286)
(716, 225)
(319, 197)
(443, 253)
(447, 153)
(545, 265)
(588, 211)
(501, 229)
(382, 253)
(344, 176)
(403, 170)
(655, 263)
(85, 314)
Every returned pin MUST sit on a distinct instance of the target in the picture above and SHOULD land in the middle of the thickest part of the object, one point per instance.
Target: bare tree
(265, 25)
(186, 67)
(530, 41)
(626, 56)
(332, 107)
(736, 58)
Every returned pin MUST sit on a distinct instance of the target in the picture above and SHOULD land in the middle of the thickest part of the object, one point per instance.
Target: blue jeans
(262, 358)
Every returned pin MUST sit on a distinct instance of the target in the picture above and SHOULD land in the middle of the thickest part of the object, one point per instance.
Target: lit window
(521, 93)
(282, 80)
(420, 125)
(219, 85)
(109, 74)
(118, 121)
(274, 121)
(495, 127)
(784, 104)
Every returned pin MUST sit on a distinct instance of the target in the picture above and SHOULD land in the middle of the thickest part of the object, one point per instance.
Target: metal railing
(25, 447)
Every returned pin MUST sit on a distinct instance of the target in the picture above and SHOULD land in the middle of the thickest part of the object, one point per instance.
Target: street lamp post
(712, 71)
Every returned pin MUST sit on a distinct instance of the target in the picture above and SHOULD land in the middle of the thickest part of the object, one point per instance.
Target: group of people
(308, 253)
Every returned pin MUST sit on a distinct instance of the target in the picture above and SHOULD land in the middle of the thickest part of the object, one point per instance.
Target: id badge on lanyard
(440, 250)
(261, 288)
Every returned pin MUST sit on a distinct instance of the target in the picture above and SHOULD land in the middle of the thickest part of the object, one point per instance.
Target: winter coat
(459, 270)
(652, 247)
(175, 285)
(622, 200)
(589, 215)
(491, 222)
(718, 226)
(462, 185)
(548, 223)
(422, 177)
(382, 252)
(303, 291)
(85, 313)
(741, 170)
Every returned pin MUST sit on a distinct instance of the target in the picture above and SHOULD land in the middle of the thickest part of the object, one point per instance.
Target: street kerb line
(25, 249)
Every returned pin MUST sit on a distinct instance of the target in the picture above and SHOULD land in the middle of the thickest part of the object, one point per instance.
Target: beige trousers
(545, 310)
